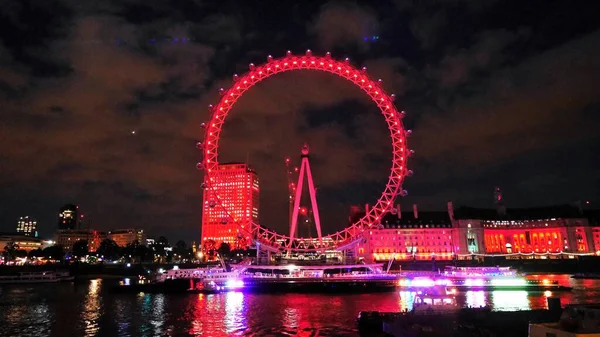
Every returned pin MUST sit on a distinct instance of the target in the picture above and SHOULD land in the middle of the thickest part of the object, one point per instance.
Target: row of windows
(413, 250)
(410, 243)
(416, 237)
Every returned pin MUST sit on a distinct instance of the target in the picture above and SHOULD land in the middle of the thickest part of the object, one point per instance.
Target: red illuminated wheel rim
(274, 241)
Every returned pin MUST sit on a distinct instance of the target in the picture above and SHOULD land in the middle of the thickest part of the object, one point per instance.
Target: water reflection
(407, 300)
(235, 316)
(291, 318)
(510, 300)
(26, 315)
(91, 309)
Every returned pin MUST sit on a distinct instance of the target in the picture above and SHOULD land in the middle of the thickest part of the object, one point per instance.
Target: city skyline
(491, 102)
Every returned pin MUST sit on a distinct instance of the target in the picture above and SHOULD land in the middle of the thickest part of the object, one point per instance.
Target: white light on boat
(175, 267)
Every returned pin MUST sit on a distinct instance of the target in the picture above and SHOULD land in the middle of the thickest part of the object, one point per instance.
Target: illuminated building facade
(68, 217)
(410, 236)
(67, 238)
(540, 236)
(237, 186)
(123, 237)
(467, 232)
(23, 242)
(27, 226)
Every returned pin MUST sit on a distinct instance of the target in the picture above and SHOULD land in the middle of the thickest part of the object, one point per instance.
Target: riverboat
(480, 278)
(36, 277)
(269, 278)
(479, 272)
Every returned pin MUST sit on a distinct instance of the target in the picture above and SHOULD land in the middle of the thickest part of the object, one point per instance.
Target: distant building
(27, 226)
(67, 238)
(68, 217)
(24, 242)
(237, 186)
(123, 237)
(149, 242)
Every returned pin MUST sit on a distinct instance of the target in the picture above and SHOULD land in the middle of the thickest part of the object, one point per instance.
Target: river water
(88, 309)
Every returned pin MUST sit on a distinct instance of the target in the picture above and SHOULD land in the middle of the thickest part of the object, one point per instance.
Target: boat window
(427, 300)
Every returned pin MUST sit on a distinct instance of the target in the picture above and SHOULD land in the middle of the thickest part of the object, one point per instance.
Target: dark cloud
(490, 104)
(344, 23)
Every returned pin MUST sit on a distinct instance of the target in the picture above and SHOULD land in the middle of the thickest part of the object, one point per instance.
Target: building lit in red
(466, 232)
(237, 186)
(67, 238)
(410, 236)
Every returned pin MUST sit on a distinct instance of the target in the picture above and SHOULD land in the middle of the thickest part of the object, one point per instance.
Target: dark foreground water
(89, 310)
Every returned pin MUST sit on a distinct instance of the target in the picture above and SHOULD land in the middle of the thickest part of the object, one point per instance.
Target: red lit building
(67, 238)
(410, 236)
(237, 186)
(467, 232)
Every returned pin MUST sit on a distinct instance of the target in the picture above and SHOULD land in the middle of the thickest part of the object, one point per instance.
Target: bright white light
(129, 265)
(234, 284)
(133, 132)
(175, 267)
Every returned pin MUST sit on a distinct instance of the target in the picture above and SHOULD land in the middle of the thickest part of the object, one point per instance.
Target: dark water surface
(88, 309)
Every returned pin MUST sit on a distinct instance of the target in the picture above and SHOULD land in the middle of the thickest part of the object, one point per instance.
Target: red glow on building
(537, 236)
(238, 189)
(439, 236)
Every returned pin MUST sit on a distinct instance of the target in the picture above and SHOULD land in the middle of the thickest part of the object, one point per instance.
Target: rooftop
(531, 213)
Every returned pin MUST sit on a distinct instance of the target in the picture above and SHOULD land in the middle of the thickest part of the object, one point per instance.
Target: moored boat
(269, 278)
(36, 277)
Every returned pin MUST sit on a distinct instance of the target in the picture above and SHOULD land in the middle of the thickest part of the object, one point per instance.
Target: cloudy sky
(498, 93)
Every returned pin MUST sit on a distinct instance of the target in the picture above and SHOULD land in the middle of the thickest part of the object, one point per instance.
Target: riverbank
(582, 264)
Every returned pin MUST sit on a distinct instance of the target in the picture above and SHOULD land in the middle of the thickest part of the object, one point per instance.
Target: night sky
(498, 93)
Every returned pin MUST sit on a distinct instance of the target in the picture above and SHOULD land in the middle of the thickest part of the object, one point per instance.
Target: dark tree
(224, 249)
(163, 241)
(35, 253)
(55, 252)
(180, 247)
(21, 253)
(210, 247)
(80, 248)
(144, 254)
(130, 251)
(10, 251)
(108, 249)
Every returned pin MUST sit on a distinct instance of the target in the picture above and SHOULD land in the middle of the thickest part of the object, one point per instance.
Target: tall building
(123, 237)
(27, 226)
(236, 184)
(67, 238)
(68, 217)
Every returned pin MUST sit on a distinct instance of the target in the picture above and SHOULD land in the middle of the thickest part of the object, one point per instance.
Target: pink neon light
(270, 239)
